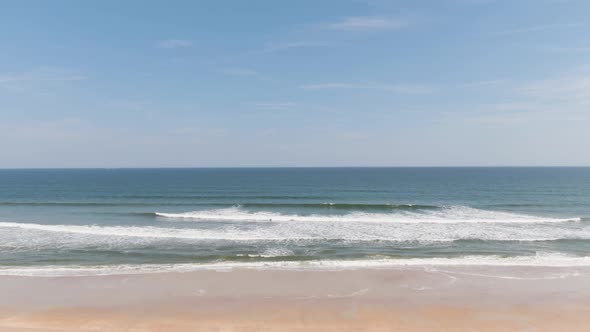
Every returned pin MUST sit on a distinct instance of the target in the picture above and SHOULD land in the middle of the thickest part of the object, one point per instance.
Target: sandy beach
(396, 299)
(290, 166)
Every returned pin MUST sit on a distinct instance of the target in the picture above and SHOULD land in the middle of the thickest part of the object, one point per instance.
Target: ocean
(107, 221)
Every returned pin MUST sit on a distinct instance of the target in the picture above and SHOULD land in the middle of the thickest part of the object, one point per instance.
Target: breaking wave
(21, 234)
(403, 214)
(539, 260)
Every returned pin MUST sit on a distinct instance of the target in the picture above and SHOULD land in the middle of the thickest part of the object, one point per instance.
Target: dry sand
(403, 299)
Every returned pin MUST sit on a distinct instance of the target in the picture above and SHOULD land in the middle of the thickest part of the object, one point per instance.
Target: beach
(419, 298)
(289, 166)
(340, 249)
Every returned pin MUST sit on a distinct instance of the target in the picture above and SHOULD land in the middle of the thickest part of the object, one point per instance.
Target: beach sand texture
(402, 299)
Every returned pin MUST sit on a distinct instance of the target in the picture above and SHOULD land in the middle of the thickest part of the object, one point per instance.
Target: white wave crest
(542, 260)
(134, 231)
(29, 235)
(452, 214)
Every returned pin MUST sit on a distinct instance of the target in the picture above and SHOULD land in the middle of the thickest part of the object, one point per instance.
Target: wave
(540, 260)
(117, 204)
(124, 231)
(107, 204)
(450, 214)
(70, 203)
(516, 205)
(342, 206)
(326, 205)
(271, 253)
(316, 206)
(214, 196)
(28, 234)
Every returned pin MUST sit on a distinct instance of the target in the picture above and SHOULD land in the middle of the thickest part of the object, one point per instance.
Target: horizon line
(290, 167)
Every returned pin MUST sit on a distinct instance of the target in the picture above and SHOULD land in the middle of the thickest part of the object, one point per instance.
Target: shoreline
(539, 261)
(421, 298)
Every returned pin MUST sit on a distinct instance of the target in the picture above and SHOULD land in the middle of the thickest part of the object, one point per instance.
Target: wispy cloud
(485, 83)
(240, 72)
(396, 88)
(42, 74)
(571, 49)
(36, 81)
(539, 28)
(473, 2)
(276, 47)
(570, 89)
(275, 105)
(127, 105)
(562, 98)
(367, 23)
(175, 43)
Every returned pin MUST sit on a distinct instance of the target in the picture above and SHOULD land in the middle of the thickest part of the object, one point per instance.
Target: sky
(294, 83)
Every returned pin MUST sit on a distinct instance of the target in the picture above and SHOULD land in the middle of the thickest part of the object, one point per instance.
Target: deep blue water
(120, 217)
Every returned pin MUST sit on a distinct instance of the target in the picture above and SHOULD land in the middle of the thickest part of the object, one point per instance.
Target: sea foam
(26, 235)
(450, 214)
(540, 260)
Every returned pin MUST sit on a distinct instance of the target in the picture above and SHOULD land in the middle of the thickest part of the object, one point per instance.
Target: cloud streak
(34, 81)
(367, 23)
(240, 72)
(275, 105)
(562, 98)
(568, 89)
(539, 28)
(572, 49)
(277, 47)
(396, 88)
(43, 74)
(175, 43)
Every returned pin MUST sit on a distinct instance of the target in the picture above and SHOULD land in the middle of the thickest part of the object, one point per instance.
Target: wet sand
(396, 299)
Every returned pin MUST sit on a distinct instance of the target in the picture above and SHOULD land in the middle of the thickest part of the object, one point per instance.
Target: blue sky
(294, 83)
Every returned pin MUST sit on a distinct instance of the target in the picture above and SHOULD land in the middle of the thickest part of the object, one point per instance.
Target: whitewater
(100, 222)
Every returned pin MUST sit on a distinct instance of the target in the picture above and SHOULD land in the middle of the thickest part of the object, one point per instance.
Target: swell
(326, 206)
(351, 207)
(109, 204)
(214, 196)
(106, 204)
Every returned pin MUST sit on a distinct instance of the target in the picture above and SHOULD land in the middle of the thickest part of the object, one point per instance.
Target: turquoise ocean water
(103, 221)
